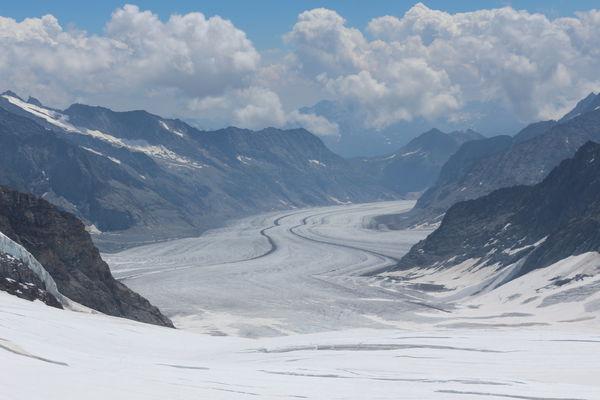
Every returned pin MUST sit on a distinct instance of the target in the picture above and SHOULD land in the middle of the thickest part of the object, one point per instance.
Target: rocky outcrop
(59, 241)
(17, 279)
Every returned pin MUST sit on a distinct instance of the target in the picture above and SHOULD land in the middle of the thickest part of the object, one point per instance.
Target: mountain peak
(466, 135)
(429, 139)
(590, 103)
(34, 101)
(80, 106)
(433, 131)
(11, 94)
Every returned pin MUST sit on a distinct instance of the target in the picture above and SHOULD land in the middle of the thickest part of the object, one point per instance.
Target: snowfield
(288, 305)
(47, 353)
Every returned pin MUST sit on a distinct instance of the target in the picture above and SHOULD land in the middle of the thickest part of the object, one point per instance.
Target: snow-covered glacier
(313, 270)
(291, 305)
(299, 271)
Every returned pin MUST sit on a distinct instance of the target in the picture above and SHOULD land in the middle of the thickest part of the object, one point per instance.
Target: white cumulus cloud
(140, 61)
(432, 64)
(255, 108)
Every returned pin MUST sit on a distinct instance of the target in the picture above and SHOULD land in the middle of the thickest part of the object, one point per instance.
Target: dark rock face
(17, 279)
(59, 241)
(540, 224)
(154, 178)
(416, 165)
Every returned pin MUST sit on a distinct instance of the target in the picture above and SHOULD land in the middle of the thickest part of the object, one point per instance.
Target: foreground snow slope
(271, 289)
(47, 353)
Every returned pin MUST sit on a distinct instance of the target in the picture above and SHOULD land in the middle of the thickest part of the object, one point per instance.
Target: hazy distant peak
(589, 103)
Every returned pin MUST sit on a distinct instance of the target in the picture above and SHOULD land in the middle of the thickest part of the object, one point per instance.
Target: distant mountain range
(416, 165)
(357, 140)
(354, 140)
(480, 167)
(135, 172)
(154, 178)
(158, 178)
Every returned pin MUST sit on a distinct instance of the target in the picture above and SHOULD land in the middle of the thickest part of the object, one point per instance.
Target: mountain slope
(533, 130)
(137, 171)
(38, 161)
(477, 170)
(416, 166)
(59, 242)
(535, 249)
(534, 226)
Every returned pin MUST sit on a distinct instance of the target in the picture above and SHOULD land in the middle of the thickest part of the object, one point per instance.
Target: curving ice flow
(314, 270)
(288, 272)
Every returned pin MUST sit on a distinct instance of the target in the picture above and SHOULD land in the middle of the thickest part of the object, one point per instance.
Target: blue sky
(266, 20)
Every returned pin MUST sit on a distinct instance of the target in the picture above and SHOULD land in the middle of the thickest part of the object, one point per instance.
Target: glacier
(292, 305)
(314, 270)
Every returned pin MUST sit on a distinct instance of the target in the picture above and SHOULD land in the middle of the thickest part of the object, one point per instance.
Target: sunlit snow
(286, 305)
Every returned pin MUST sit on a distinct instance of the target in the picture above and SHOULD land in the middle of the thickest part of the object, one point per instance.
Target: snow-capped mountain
(416, 166)
(549, 230)
(136, 171)
(46, 254)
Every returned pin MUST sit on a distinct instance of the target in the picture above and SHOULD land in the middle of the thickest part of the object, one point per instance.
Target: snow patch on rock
(317, 163)
(61, 121)
(165, 126)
